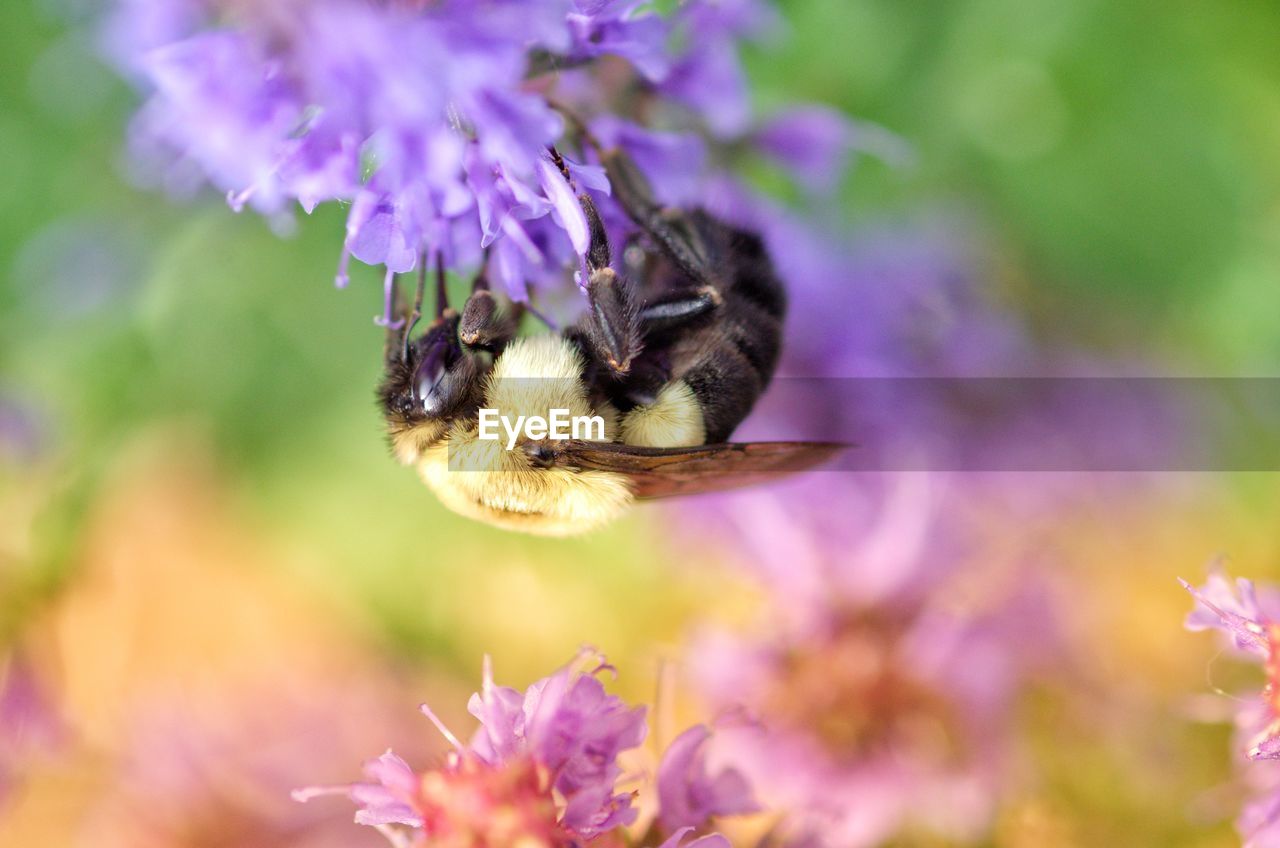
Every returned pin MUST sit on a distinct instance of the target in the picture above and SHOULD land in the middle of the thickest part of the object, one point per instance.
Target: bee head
(432, 378)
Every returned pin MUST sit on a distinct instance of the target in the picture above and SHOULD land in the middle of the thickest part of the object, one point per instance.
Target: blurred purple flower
(815, 142)
(674, 162)
(25, 433)
(132, 28)
(707, 75)
(623, 28)
(829, 541)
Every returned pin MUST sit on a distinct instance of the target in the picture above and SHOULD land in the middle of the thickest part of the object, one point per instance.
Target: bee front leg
(485, 324)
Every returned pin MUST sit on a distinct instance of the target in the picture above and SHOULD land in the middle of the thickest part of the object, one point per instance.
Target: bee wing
(664, 472)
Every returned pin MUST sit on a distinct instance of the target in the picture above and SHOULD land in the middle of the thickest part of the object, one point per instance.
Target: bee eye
(431, 371)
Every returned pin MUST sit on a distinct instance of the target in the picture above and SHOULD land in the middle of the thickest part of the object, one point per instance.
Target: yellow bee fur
(483, 480)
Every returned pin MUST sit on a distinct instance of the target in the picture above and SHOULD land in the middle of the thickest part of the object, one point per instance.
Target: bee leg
(612, 328)
(670, 227)
(442, 291)
(397, 342)
(659, 316)
(411, 320)
(485, 324)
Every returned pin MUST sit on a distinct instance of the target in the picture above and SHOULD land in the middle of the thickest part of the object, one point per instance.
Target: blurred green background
(1118, 159)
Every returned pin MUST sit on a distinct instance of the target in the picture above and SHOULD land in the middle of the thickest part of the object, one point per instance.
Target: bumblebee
(672, 354)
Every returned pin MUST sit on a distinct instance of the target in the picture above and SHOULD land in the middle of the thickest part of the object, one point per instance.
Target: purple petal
(566, 208)
(509, 269)
(1259, 821)
(588, 176)
(500, 711)
(381, 240)
(324, 167)
(1238, 597)
(812, 141)
(596, 809)
(1267, 747)
(392, 772)
(712, 82)
(687, 795)
(638, 38)
(378, 807)
(711, 840)
(730, 18)
(673, 162)
(1247, 633)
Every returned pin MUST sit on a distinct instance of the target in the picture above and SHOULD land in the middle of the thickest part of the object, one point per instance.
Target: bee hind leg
(670, 227)
(678, 309)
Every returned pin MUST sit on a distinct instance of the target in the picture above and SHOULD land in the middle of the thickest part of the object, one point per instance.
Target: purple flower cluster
(1250, 619)
(568, 725)
(543, 765)
(433, 120)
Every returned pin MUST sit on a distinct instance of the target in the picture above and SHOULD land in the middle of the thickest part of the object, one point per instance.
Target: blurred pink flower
(217, 771)
(885, 671)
